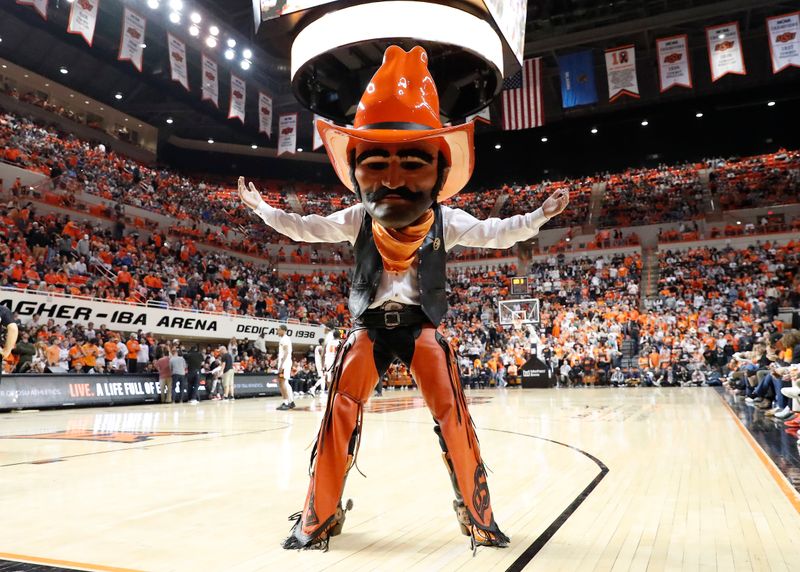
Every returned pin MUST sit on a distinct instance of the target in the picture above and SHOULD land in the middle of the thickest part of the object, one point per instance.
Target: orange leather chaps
(362, 359)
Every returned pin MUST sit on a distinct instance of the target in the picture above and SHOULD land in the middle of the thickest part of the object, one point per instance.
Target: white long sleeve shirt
(460, 229)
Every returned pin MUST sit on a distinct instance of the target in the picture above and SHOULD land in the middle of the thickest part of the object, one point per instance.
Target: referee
(9, 330)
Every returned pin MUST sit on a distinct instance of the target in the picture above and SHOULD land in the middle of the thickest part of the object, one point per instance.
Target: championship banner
(39, 5)
(784, 41)
(673, 62)
(725, 50)
(82, 18)
(621, 71)
(122, 317)
(317, 142)
(131, 43)
(287, 133)
(238, 93)
(210, 80)
(264, 114)
(177, 61)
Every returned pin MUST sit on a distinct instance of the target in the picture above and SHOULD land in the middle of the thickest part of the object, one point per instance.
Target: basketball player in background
(319, 353)
(285, 369)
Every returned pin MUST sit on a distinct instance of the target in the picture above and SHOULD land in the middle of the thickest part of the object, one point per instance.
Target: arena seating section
(591, 304)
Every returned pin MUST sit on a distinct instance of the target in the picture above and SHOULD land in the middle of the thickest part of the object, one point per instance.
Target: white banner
(82, 18)
(483, 115)
(131, 43)
(238, 93)
(317, 137)
(179, 71)
(210, 80)
(673, 62)
(621, 71)
(287, 133)
(122, 317)
(784, 41)
(264, 114)
(39, 5)
(725, 50)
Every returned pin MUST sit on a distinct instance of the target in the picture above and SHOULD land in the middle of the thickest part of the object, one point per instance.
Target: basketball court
(581, 479)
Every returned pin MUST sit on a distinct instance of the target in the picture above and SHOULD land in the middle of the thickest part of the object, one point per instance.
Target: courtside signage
(159, 321)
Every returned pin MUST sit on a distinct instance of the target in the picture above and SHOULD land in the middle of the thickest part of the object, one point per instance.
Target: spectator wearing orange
(133, 351)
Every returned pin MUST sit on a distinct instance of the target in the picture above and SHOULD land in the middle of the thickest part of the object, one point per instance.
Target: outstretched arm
(465, 230)
(340, 226)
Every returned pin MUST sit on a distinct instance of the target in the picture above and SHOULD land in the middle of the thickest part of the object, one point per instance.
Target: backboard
(523, 311)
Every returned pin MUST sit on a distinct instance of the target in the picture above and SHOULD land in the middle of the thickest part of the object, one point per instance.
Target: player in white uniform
(285, 369)
(332, 341)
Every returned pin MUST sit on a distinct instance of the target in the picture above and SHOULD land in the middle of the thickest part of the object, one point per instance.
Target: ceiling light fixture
(544, 139)
(195, 18)
(63, 70)
(770, 104)
(594, 130)
(211, 42)
(229, 54)
(169, 120)
(254, 146)
(213, 30)
(194, 31)
(247, 54)
(699, 114)
(174, 17)
(118, 95)
(299, 149)
(645, 123)
(210, 141)
(231, 43)
(245, 64)
(176, 5)
(498, 146)
(153, 4)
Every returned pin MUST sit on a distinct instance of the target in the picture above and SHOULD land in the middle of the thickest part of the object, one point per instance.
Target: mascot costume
(402, 164)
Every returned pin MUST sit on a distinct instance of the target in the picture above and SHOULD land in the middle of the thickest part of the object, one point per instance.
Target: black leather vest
(431, 258)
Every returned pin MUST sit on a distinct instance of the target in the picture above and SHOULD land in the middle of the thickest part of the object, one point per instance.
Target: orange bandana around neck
(399, 246)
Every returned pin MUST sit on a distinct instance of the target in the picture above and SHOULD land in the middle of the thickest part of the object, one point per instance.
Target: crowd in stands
(763, 180)
(522, 199)
(47, 347)
(35, 98)
(710, 303)
(52, 253)
(652, 196)
(691, 232)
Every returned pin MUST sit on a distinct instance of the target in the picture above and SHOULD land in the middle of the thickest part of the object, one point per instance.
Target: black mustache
(383, 192)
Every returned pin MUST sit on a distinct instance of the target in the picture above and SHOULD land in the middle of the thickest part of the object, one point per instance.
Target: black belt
(405, 316)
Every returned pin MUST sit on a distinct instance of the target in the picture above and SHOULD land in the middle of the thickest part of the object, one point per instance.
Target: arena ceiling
(553, 26)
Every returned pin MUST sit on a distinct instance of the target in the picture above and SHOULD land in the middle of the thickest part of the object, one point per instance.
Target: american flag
(522, 97)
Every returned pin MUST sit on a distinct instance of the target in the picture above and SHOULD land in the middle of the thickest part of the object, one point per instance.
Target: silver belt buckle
(391, 319)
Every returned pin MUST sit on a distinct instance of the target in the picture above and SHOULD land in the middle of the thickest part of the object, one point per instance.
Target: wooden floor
(581, 479)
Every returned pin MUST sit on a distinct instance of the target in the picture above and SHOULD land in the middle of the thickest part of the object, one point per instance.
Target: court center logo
(107, 436)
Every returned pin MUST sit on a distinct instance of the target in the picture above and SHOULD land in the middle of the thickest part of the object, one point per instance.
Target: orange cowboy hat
(401, 105)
